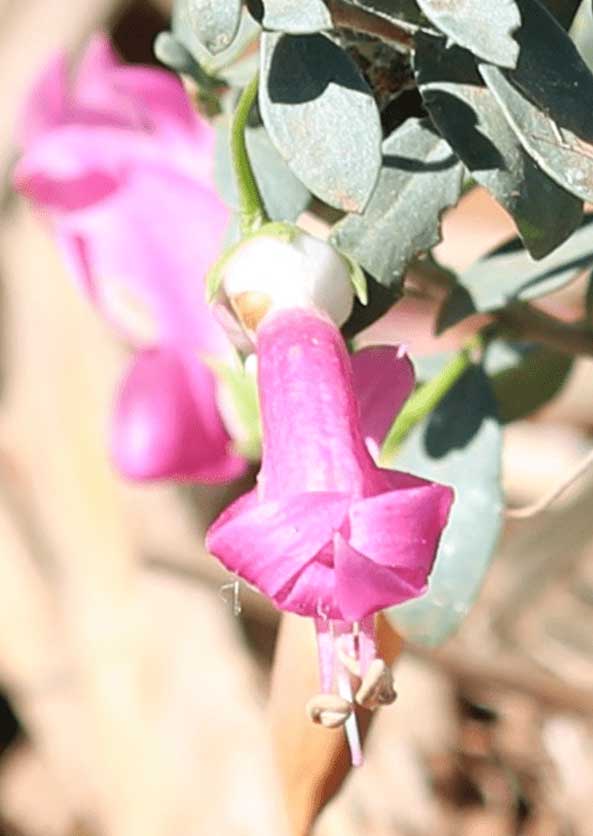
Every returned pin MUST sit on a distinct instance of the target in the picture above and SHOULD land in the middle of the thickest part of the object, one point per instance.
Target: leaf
(420, 177)
(483, 27)
(297, 18)
(358, 279)
(469, 117)
(223, 64)
(508, 275)
(530, 377)
(459, 445)
(544, 99)
(563, 10)
(321, 116)
(284, 196)
(214, 24)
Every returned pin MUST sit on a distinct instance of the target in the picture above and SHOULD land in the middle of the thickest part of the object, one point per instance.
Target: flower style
(120, 165)
(326, 533)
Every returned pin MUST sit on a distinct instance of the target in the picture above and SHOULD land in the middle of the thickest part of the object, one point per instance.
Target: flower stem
(428, 396)
(251, 207)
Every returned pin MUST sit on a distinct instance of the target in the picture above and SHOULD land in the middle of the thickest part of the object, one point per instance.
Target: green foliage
(317, 108)
(213, 24)
(226, 64)
(471, 119)
(284, 196)
(300, 18)
(420, 177)
(526, 377)
(545, 100)
(508, 275)
(459, 445)
(484, 27)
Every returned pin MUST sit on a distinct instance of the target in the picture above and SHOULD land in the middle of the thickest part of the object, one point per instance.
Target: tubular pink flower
(326, 533)
(120, 165)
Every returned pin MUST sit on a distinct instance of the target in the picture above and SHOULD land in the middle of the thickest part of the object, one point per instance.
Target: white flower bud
(269, 273)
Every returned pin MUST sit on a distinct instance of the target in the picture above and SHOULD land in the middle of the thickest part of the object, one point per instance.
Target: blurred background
(132, 700)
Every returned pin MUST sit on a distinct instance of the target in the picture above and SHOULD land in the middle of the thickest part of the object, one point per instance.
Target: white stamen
(351, 724)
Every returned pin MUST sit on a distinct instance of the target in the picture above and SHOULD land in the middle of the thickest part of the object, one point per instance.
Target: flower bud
(289, 269)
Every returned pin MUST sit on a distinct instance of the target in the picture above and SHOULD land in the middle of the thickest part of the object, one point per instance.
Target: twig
(529, 323)
(544, 503)
(350, 17)
(504, 673)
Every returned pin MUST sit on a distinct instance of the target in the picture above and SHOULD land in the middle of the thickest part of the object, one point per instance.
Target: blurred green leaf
(458, 445)
(508, 274)
(284, 196)
(298, 18)
(530, 376)
(563, 10)
(547, 99)
(483, 27)
(420, 177)
(469, 117)
(321, 115)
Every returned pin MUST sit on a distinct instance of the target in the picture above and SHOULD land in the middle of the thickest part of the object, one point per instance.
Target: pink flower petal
(162, 265)
(269, 544)
(383, 381)
(309, 414)
(165, 423)
(364, 587)
(46, 105)
(311, 593)
(401, 528)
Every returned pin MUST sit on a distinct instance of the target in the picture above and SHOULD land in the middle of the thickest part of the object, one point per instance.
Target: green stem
(251, 207)
(428, 396)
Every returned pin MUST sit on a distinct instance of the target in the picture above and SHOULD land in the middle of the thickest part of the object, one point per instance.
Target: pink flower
(120, 165)
(326, 533)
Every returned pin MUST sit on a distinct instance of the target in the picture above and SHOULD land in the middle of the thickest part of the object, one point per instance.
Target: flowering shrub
(121, 165)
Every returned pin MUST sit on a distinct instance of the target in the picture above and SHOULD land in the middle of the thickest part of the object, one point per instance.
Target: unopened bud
(271, 272)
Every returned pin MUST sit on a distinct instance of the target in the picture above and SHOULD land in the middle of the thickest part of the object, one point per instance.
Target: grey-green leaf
(458, 445)
(509, 275)
(483, 27)
(470, 118)
(563, 10)
(530, 376)
(547, 99)
(298, 18)
(321, 116)
(420, 177)
(284, 196)
(214, 24)
(223, 63)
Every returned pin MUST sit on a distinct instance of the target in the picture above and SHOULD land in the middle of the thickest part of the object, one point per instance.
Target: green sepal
(243, 391)
(357, 277)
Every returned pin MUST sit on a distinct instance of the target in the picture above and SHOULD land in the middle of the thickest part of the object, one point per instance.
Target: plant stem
(251, 207)
(428, 396)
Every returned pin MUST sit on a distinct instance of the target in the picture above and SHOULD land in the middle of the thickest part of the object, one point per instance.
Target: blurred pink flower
(120, 164)
(326, 533)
